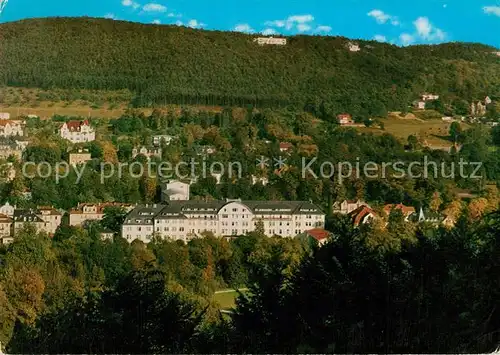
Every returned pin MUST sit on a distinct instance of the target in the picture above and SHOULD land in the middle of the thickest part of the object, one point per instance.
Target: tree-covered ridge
(166, 64)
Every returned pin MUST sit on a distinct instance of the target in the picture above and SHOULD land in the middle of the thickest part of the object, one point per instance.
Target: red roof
(407, 210)
(319, 234)
(344, 115)
(359, 214)
(76, 125)
(285, 145)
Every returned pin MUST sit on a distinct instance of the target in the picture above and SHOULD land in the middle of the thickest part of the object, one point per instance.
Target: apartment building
(44, 219)
(86, 212)
(175, 191)
(77, 131)
(184, 220)
(5, 229)
(270, 40)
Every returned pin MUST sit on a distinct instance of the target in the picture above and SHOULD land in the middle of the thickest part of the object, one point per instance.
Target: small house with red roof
(285, 147)
(319, 234)
(345, 119)
(77, 131)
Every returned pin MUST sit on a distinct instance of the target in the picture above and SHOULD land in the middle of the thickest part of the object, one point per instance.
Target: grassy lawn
(435, 131)
(226, 299)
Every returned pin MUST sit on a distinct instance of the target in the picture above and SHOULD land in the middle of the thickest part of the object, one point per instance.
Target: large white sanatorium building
(184, 220)
(77, 131)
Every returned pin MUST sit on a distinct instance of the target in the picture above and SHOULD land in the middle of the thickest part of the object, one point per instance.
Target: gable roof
(75, 126)
(319, 234)
(359, 215)
(406, 210)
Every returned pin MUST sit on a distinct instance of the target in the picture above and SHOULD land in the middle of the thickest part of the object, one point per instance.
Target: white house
(487, 100)
(77, 131)
(9, 128)
(184, 220)
(270, 40)
(353, 47)
(419, 105)
(157, 140)
(429, 97)
(4, 116)
(176, 191)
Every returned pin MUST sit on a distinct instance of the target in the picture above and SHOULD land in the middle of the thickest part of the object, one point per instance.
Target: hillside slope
(168, 64)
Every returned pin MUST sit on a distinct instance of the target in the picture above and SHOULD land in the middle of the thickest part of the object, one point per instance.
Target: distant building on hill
(270, 40)
(353, 47)
(345, 119)
(45, 219)
(407, 211)
(429, 97)
(4, 116)
(77, 131)
(362, 215)
(147, 152)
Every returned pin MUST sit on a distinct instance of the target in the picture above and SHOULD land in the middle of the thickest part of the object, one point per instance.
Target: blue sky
(395, 21)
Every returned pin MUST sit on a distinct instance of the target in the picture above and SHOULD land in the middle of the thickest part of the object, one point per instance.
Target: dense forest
(169, 64)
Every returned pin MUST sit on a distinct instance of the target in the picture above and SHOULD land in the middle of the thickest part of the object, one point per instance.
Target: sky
(398, 22)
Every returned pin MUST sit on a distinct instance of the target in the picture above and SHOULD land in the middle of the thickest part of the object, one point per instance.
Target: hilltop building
(270, 40)
(347, 206)
(184, 220)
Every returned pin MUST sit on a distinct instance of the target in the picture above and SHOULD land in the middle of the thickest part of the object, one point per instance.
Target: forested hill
(169, 64)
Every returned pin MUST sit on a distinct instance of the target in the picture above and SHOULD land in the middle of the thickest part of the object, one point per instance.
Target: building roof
(179, 209)
(319, 234)
(407, 210)
(99, 207)
(76, 126)
(28, 215)
(360, 214)
(286, 145)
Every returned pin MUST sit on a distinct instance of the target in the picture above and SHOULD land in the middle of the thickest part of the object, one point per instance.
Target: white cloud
(156, 22)
(303, 27)
(300, 22)
(179, 23)
(268, 32)
(110, 16)
(445, 6)
(492, 10)
(427, 31)
(382, 18)
(380, 38)
(130, 3)
(323, 29)
(276, 23)
(153, 7)
(195, 24)
(406, 39)
(243, 27)
(173, 14)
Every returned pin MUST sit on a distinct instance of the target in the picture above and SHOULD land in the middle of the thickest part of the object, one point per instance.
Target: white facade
(189, 219)
(176, 191)
(11, 128)
(77, 132)
(157, 140)
(4, 116)
(429, 97)
(353, 47)
(271, 40)
(7, 209)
